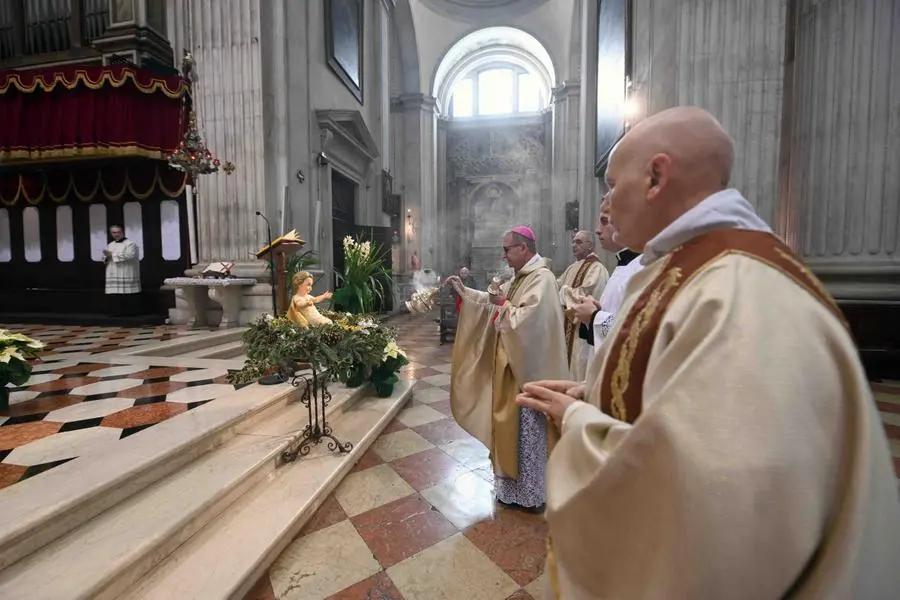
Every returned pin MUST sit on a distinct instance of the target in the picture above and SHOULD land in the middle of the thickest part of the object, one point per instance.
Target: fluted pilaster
(726, 57)
(223, 36)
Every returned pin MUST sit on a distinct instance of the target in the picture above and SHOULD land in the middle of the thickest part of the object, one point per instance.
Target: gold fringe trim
(553, 571)
(70, 80)
(130, 149)
(71, 189)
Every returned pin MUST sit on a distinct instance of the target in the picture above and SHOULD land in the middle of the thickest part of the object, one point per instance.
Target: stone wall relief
(495, 151)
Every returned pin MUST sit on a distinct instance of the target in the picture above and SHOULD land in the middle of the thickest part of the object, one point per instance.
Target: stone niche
(497, 177)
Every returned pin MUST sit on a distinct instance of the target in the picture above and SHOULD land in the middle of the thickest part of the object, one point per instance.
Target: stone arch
(487, 45)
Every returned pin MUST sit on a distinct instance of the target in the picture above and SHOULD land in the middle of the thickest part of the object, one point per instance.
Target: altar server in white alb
(123, 274)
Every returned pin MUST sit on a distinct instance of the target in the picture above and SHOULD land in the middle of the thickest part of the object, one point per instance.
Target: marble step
(105, 556)
(189, 343)
(226, 350)
(41, 509)
(225, 559)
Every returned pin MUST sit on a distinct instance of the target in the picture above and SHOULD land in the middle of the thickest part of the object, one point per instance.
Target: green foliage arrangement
(351, 349)
(365, 281)
(16, 350)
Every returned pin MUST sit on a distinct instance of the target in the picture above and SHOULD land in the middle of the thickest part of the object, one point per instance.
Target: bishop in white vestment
(493, 356)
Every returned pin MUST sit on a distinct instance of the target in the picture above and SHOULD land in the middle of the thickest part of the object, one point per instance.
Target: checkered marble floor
(77, 403)
(416, 518)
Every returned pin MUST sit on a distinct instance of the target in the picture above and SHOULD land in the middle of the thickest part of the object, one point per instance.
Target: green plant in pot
(384, 375)
(345, 350)
(365, 281)
(16, 350)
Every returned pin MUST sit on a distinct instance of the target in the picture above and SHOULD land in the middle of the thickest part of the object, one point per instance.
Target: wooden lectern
(280, 249)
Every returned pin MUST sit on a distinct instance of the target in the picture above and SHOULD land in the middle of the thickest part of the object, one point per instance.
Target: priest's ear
(658, 175)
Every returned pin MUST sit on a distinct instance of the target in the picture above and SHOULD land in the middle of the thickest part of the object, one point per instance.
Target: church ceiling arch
(479, 10)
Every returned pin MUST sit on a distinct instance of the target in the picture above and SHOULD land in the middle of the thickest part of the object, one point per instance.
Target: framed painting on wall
(344, 42)
(613, 71)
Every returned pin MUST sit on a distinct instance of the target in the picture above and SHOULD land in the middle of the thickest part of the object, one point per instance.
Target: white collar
(727, 209)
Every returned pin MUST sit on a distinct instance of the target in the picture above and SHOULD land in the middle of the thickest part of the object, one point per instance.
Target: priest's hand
(584, 310)
(455, 282)
(550, 398)
(497, 299)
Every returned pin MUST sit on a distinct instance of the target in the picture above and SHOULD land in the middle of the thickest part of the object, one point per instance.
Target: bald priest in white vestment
(504, 338)
(726, 443)
(584, 278)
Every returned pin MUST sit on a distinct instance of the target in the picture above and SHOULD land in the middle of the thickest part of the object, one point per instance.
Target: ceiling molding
(475, 11)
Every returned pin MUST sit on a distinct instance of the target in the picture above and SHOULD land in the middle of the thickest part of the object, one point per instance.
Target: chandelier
(193, 157)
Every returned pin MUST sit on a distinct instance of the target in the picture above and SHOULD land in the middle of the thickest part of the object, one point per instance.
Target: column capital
(423, 102)
(571, 88)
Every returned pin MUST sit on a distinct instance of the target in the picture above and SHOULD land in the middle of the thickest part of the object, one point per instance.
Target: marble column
(417, 136)
(566, 167)
(588, 184)
(447, 214)
(223, 36)
(842, 183)
(726, 57)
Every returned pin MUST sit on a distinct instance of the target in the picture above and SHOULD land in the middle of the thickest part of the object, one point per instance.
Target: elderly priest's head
(663, 167)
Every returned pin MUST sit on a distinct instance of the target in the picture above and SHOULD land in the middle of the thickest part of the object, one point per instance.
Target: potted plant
(351, 345)
(365, 280)
(384, 375)
(16, 350)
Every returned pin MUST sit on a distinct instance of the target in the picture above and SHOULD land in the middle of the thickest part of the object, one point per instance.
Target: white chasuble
(497, 350)
(586, 277)
(738, 452)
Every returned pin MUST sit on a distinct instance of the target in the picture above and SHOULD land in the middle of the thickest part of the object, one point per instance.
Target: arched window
(494, 72)
(496, 90)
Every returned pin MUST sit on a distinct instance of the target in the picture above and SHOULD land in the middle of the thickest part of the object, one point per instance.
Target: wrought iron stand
(315, 397)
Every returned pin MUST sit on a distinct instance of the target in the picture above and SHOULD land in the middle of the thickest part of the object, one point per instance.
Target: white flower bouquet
(16, 350)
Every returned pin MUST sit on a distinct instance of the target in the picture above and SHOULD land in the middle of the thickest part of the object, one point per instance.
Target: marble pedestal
(226, 292)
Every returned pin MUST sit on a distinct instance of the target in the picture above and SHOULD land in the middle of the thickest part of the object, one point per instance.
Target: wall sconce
(395, 238)
(410, 226)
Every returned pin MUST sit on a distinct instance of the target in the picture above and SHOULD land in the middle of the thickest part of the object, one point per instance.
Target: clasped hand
(551, 398)
(584, 310)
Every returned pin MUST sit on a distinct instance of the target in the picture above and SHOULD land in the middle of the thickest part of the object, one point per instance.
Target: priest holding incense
(726, 443)
(494, 355)
(585, 278)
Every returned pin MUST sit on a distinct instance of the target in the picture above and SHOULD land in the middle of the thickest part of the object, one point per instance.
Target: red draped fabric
(89, 111)
(96, 181)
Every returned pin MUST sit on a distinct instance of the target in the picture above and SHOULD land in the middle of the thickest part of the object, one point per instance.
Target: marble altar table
(197, 292)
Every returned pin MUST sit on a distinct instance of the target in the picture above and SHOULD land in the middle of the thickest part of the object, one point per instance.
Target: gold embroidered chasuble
(738, 452)
(489, 366)
(586, 277)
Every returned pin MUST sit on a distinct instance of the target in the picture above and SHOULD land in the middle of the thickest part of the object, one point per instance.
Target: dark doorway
(343, 223)
(343, 216)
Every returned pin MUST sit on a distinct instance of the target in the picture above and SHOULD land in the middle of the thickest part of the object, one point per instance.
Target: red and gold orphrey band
(572, 325)
(626, 364)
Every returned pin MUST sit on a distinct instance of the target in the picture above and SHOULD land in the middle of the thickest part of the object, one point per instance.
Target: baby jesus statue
(302, 310)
